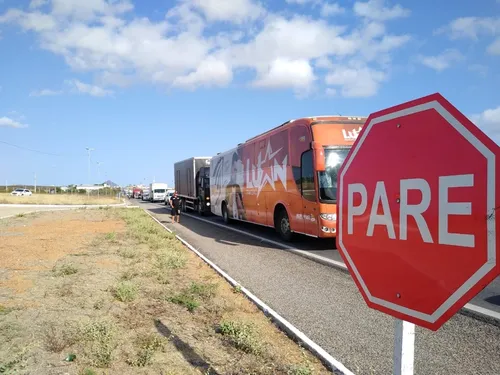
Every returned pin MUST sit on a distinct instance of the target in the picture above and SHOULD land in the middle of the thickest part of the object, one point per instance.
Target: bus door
(310, 207)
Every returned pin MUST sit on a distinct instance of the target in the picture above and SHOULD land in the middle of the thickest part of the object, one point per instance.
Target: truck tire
(225, 214)
(282, 226)
(199, 207)
(183, 205)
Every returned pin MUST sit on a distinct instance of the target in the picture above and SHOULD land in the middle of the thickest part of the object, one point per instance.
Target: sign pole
(404, 347)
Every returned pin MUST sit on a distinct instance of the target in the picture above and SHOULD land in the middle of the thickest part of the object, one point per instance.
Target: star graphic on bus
(275, 169)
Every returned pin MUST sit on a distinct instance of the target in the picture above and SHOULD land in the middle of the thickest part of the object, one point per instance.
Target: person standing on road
(175, 203)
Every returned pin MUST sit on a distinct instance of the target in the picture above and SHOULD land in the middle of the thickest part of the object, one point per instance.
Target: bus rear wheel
(225, 214)
(282, 226)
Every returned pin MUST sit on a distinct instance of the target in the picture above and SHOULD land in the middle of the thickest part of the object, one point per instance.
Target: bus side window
(307, 180)
(300, 141)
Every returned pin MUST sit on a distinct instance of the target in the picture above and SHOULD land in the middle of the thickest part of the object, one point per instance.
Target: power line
(128, 150)
(29, 149)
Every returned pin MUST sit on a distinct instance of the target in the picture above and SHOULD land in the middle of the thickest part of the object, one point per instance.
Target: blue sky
(148, 83)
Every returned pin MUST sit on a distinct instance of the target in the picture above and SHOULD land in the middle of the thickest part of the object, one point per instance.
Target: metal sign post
(404, 347)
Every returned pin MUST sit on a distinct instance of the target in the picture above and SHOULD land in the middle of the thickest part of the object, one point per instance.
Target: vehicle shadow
(189, 354)
(494, 300)
(232, 238)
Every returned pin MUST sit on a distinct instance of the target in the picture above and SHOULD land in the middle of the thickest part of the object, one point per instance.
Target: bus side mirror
(319, 156)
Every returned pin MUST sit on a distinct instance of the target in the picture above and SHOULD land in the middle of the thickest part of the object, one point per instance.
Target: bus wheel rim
(285, 225)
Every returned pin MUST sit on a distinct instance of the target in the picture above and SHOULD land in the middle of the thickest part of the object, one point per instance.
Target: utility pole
(88, 152)
(55, 189)
(35, 182)
(98, 176)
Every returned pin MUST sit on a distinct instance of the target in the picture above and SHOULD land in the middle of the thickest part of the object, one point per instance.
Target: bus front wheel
(282, 226)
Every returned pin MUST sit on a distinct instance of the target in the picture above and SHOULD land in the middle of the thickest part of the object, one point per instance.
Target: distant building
(91, 187)
(111, 184)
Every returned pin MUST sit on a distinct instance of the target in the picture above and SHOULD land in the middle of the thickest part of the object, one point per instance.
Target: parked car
(168, 196)
(21, 192)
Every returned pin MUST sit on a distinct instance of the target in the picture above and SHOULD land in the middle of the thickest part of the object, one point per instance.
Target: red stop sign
(416, 211)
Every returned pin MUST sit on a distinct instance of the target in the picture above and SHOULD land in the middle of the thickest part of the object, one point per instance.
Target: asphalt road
(325, 304)
(489, 298)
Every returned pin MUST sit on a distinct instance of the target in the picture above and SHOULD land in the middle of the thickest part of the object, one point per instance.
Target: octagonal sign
(417, 226)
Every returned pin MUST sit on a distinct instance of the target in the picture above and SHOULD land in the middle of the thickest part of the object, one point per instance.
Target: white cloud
(45, 92)
(187, 48)
(494, 48)
(356, 81)
(471, 27)
(89, 89)
(35, 4)
(234, 11)
(10, 123)
(89, 9)
(442, 61)
(489, 122)
(295, 38)
(376, 10)
(210, 72)
(284, 73)
(34, 21)
(300, 2)
(330, 92)
(331, 9)
(327, 9)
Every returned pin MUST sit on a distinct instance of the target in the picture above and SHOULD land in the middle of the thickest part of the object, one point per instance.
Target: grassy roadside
(6, 198)
(133, 300)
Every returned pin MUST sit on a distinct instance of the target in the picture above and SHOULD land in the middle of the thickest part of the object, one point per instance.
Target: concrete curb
(470, 310)
(59, 208)
(61, 205)
(337, 367)
(29, 212)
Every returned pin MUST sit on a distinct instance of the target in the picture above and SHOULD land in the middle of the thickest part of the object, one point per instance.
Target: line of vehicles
(285, 178)
(156, 192)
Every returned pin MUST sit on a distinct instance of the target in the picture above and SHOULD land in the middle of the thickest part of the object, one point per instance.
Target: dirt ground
(111, 292)
(6, 198)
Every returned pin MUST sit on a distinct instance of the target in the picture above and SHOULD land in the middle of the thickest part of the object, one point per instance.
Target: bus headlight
(330, 217)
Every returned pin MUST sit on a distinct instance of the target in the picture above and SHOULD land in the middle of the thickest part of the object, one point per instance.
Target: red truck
(136, 192)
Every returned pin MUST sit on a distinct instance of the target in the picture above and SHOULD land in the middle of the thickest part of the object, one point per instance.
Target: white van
(157, 191)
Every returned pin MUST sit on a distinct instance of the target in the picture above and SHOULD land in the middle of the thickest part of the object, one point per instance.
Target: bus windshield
(328, 179)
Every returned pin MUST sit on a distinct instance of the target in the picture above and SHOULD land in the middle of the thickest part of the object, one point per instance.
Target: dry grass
(6, 198)
(117, 291)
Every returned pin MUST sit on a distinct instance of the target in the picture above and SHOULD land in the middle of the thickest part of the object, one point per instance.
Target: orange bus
(285, 178)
